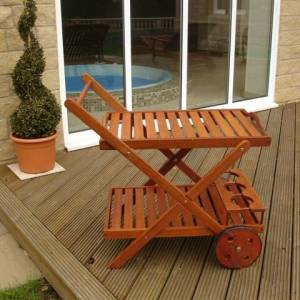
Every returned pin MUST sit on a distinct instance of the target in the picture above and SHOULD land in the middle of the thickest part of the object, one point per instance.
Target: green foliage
(38, 114)
(29, 291)
(33, 290)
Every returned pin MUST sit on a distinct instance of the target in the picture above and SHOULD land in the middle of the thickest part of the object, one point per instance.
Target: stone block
(51, 79)
(290, 8)
(3, 44)
(6, 17)
(51, 58)
(289, 23)
(3, 129)
(8, 61)
(46, 15)
(13, 40)
(287, 94)
(288, 80)
(7, 106)
(288, 66)
(11, 2)
(4, 85)
(289, 37)
(289, 52)
(7, 152)
(47, 36)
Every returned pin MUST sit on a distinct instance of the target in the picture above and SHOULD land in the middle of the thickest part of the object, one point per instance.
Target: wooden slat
(116, 215)
(218, 205)
(202, 132)
(175, 129)
(246, 122)
(126, 126)
(138, 125)
(140, 210)
(150, 127)
(162, 125)
(151, 212)
(186, 214)
(236, 125)
(128, 208)
(213, 129)
(162, 204)
(206, 203)
(114, 123)
(187, 127)
(177, 220)
(225, 127)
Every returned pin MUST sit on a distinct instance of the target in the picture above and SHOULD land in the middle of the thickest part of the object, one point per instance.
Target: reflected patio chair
(84, 42)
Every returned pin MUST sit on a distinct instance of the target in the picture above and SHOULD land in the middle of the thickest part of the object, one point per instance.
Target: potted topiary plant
(34, 122)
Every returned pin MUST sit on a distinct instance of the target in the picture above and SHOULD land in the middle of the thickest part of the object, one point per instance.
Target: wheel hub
(238, 247)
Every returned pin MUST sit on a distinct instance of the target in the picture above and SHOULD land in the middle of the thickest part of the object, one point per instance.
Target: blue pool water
(111, 76)
(110, 82)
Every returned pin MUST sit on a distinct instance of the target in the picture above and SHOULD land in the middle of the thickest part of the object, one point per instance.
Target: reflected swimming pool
(111, 76)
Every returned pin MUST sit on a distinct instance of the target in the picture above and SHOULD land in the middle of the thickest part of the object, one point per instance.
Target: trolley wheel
(238, 247)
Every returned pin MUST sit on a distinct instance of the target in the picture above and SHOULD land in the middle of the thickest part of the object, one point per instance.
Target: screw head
(238, 249)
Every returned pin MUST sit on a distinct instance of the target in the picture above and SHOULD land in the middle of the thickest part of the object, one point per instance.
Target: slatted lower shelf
(231, 201)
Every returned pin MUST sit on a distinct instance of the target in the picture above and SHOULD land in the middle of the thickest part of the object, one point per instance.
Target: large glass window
(93, 43)
(253, 49)
(208, 50)
(155, 34)
(183, 53)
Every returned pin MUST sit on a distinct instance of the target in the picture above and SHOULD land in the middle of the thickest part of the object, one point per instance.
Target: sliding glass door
(169, 54)
(253, 49)
(208, 53)
(155, 44)
(93, 43)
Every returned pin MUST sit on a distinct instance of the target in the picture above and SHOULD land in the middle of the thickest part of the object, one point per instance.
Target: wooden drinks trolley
(221, 203)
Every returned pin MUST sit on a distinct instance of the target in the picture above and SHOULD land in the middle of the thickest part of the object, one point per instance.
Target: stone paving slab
(3, 230)
(16, 267)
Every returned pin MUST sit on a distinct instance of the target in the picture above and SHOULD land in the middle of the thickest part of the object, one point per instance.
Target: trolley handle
(84, 92)
(256, 120)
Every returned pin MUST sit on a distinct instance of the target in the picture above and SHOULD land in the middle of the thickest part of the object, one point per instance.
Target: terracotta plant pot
(35, 155)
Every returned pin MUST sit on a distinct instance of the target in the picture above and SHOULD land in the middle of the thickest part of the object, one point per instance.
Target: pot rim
(34, 140)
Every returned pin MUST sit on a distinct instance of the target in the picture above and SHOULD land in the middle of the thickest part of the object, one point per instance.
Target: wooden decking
(59, 219)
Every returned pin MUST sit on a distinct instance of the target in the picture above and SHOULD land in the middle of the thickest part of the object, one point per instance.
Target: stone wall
(11, 49)
(288, 68)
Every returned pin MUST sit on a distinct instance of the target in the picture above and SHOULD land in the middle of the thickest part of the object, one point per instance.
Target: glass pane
(155, 30)
(208, 50)
(253, 43)
(93, 43)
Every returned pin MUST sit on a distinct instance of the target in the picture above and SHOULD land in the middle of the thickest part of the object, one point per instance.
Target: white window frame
(221, 11)
(87, 138)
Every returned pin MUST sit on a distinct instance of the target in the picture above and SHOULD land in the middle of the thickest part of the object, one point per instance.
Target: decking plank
(72, 229)
(276, 271)
(46, 208)
(62, 270)
(41, 192)
(71, 204)
(295, 290)
(212, 272)
(245, 283)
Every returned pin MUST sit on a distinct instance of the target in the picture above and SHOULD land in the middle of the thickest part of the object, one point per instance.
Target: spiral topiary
(38, 113)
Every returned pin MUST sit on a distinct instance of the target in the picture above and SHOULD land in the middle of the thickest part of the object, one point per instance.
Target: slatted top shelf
(185, 129)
